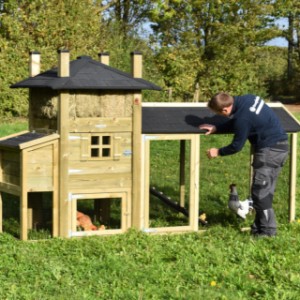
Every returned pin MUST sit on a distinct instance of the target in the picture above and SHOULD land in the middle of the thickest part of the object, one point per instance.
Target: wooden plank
(10, 188)
(42, 154)
(100, 167)
(96, 232)
(63, 130)
(126, 214)
(74, 216)
(101, 125)
(23, 198)
(55, 194)
(38, 184)
(293, 176)
(166, 137)
(40, 142)
(194, 182)
(1, 213)
(171, 229)
(182, 173)
(145, 201)
(40, 169)
(87, 182)
(174, 104)
(137, 192)
(11, 179)
(103, 192)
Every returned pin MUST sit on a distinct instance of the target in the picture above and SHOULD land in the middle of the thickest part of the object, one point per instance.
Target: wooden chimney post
(137, 64)
(34, 63)
(104, 58)
(63, 63)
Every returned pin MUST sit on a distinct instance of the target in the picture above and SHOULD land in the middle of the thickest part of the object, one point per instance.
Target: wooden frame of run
(125, 217)
(194, 182)
(293, 136)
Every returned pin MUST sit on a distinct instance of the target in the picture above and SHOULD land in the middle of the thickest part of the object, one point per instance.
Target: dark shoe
(265, 222)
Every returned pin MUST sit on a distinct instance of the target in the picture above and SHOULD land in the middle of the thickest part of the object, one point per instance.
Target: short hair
(220, 101)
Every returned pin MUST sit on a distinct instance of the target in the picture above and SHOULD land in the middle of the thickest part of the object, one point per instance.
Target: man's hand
(210, 128)
(212, 153)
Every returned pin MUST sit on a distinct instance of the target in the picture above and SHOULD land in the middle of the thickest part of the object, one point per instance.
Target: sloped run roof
(86, 73)
(185, 119)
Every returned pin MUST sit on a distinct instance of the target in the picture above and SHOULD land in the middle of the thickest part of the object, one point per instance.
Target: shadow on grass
(216, 211)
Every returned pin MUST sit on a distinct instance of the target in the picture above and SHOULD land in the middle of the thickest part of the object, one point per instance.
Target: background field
(221, 262)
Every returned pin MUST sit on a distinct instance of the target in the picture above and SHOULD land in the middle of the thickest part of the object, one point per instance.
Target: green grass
(220, 263)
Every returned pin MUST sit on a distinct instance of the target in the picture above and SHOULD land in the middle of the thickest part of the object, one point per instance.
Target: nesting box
(93, 112)
(28, 167)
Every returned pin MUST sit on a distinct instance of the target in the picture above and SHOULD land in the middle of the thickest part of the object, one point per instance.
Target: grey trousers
(267, 164)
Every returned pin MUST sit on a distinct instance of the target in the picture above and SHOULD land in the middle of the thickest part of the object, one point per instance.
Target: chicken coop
(84, 117)
(88, 147)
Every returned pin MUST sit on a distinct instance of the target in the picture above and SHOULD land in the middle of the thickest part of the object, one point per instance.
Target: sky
(280, 42)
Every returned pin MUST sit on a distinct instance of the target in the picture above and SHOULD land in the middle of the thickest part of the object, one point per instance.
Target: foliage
(211, 44)
(44, 26)
(221, 39)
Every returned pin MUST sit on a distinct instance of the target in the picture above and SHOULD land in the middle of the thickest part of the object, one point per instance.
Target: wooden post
(34, 63)
(136, 64)
(194, 181)
(182, 173)
(63, 130)
(1, 213)
(293, 176)
(55, 193)
(23, 197)
(63, 63)
(104, 58)
(137, 192)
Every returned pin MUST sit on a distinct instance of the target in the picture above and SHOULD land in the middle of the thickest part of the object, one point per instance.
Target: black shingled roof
(175, 120)
(86, 73)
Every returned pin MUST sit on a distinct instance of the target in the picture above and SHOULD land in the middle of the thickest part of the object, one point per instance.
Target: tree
(44, 26)
(290, 10)
(128, 14)
(221, 38)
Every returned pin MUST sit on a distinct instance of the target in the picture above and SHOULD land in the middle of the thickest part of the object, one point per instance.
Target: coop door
(97, 214)
(172, 168)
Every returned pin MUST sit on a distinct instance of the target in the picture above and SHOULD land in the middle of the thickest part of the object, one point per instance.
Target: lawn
(221, 262)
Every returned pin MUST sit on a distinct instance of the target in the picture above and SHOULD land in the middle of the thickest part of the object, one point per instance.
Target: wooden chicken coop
(89, 145)
(84, 117)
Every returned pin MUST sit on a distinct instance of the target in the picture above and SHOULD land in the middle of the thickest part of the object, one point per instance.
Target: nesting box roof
(26, 139)
(86, 73)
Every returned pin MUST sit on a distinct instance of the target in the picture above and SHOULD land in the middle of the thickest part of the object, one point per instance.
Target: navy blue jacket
(254, 120)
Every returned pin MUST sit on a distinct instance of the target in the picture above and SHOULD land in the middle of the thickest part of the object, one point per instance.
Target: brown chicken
(85, 222)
